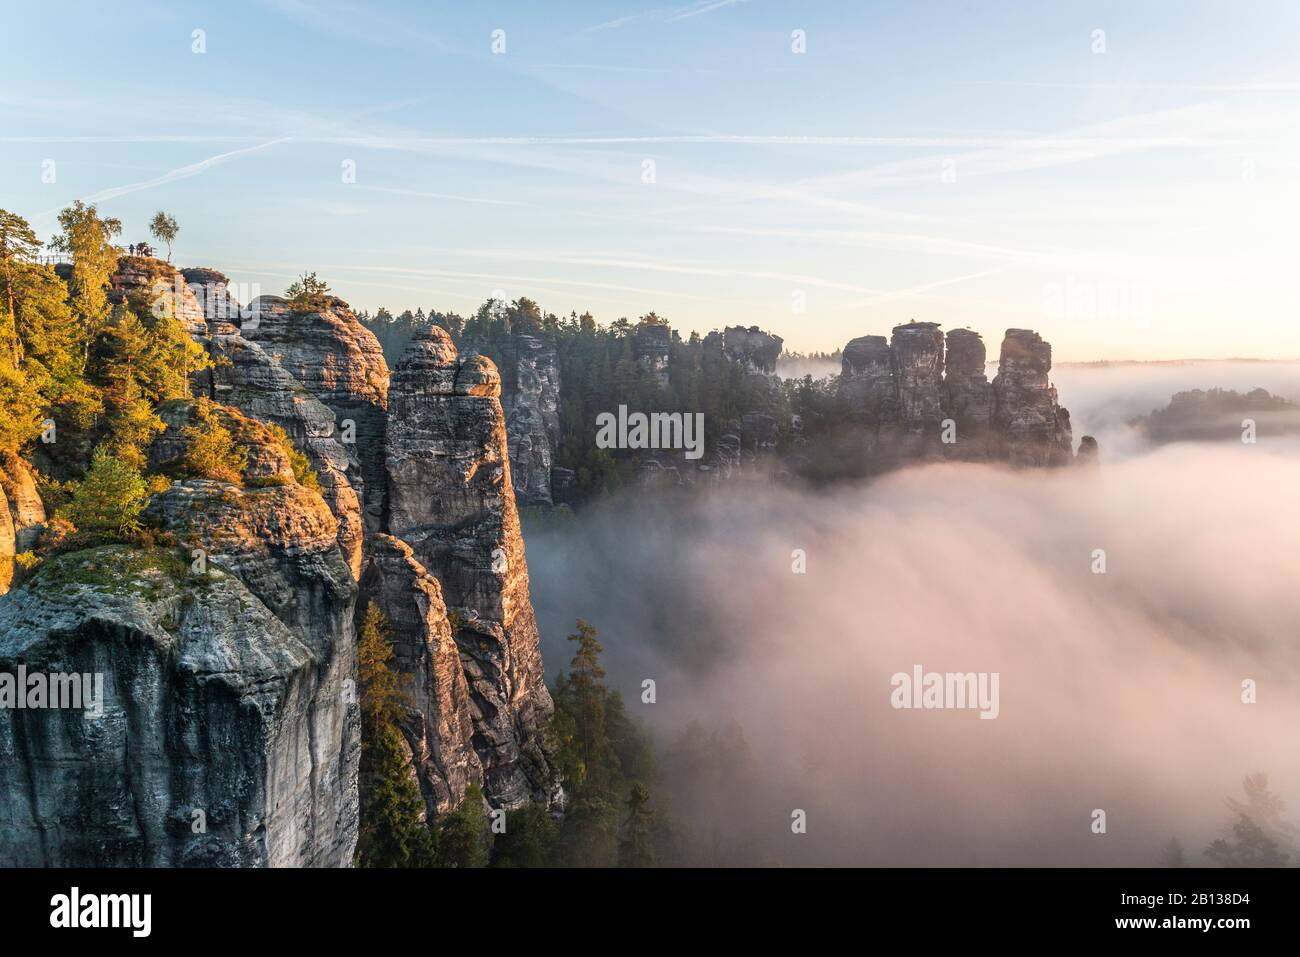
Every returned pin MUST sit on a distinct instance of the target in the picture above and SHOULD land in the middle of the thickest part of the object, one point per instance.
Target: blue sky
(979, 165)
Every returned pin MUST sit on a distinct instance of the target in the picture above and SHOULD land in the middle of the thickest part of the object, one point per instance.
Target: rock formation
(244, 376)
(867, 379)
(450, 497)
(22, 515)
(651, 345)
(916, 352)
(907, 394)
(340, 362)
(530, 398)
(160, 283)
(228, 680)
(439, 728)
(753, 348)
(1034, 428)
(211, 290)
(968, 394)
(226, 639)
(1210, 415)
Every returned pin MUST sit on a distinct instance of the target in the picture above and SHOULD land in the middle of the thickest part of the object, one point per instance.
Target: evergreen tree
(589, 837)
(307, 293)
(212, 452)
(1258, 835)
(18, 245)
(529, 840)
(464, 835)
(88, 239)
(106, 505)
(635, 847)
(586, 678)
(1173, 854)
(393, 831)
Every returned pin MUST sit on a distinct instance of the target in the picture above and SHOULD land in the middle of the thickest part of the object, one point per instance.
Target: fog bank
(1118, 691)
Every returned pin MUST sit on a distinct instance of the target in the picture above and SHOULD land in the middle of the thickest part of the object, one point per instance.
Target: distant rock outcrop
(1035, 429)
(451, 499)
(968, 394)
(530, 398)
(914, 403)
(651, 345)
(1210, 415)
(753, 348)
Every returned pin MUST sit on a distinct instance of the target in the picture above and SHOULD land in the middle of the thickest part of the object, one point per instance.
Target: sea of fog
(1119, 692)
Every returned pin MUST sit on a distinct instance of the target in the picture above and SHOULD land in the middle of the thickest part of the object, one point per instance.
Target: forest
(599, 371)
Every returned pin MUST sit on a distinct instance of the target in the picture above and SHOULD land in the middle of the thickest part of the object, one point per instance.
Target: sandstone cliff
(230, 733)
(530, 398)
(913, 403)
(450, 497)
(756, 350)
(340, 362)
(439, 729)
(246, 377)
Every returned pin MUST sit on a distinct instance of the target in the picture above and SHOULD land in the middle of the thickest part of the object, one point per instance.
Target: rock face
(148, 277)
(229, 689)
(867, 379)
(451, 499)
(530, 398)
(1034, 428)
(968, 394)
(916, 350)
(651, 345)
(244, 376)
(26, 512)
(753, 348)
(340, 362)
(908, 395)
(439, 728)
(22, 515)
(211, 290)
(228, 652)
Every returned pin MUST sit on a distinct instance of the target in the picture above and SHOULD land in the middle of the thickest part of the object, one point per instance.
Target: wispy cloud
(452, 197)
(171, 176)
(665, 14)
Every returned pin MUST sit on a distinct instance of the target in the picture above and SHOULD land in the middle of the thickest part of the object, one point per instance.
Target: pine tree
(89, 240)
(1173, 854)
(18, 245)
(529, 839)
(586, 677)
(464, 835)
(1258, 836)
(212, 452)
(393, 830)
(308, 293)
(635, 848)
(107, 503)
(589, 837)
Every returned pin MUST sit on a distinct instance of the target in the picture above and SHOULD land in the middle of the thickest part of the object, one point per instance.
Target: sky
(1122, 177)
